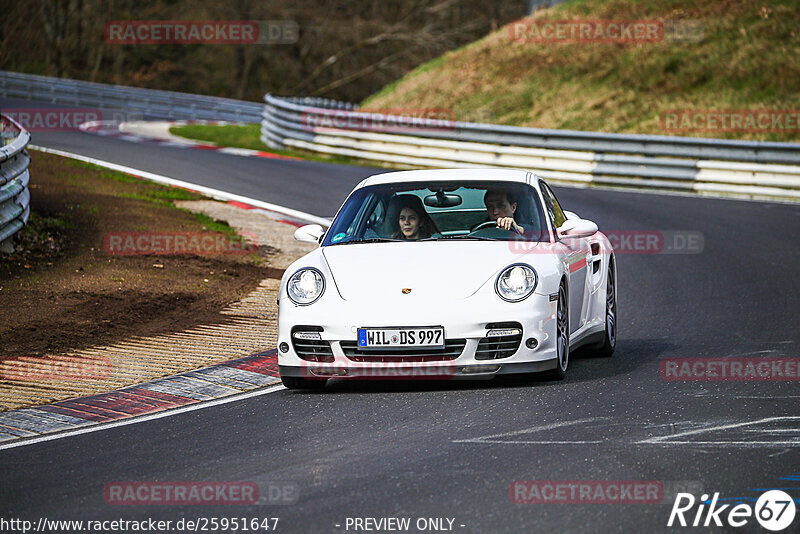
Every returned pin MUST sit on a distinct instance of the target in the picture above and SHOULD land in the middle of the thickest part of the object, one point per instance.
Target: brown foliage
(347, 49)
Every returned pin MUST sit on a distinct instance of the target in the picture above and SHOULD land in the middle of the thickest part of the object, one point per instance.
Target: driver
(500, 207)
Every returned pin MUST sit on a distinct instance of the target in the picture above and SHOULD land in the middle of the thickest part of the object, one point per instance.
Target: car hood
(432, 270)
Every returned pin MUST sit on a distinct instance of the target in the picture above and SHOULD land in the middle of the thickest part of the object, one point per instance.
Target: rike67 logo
(774, 510)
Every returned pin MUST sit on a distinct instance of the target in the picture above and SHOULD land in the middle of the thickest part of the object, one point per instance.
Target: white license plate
(425, 337)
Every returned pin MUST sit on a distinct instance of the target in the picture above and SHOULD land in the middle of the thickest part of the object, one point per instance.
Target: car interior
(454, 210)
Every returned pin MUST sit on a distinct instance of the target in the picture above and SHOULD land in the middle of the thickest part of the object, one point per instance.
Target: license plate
(425, 337)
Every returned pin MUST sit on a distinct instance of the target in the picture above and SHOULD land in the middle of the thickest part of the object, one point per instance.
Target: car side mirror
(310, 233)
(577, 228)
(571, 215)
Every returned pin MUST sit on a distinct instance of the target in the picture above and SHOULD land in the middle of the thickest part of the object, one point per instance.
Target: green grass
(240, 136)
(249, 136)
(148, 191)
(38, 222)
(747, 58)
(161, 195)
(213, 225)
(106, 173)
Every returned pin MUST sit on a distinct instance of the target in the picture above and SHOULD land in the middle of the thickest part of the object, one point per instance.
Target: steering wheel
(487, 224)
(484, 224)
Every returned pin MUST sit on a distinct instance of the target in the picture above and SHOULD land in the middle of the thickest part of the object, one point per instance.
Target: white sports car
(446, 274)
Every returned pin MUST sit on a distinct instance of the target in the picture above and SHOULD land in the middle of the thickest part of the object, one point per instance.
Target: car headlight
(516, 283)
(305, 286)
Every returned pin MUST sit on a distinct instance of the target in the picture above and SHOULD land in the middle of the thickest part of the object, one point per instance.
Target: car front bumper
(464, 319)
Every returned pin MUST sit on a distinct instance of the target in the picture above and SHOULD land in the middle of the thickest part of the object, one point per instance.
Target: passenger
(413, 222)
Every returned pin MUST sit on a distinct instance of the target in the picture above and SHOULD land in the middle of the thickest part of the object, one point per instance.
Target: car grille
(312, 350)
(452, 350)
(496, 347)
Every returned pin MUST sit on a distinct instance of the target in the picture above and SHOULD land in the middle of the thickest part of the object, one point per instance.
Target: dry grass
(748, 58)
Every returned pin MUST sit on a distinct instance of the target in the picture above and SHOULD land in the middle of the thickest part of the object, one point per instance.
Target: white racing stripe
(143, 418)
(671, 438)
(493, 438)
(213, 193)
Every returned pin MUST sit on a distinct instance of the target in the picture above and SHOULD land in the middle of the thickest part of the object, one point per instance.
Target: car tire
(294, 382)
(562, 333)
(606, 348)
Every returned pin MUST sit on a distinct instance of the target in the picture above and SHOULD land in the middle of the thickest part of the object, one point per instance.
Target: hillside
(344, 49)
(747, 58)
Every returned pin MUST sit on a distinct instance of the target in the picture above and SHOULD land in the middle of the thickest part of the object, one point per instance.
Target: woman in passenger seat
(413, 222)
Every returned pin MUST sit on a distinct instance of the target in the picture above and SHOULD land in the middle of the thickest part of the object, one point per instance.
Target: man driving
(500, 208)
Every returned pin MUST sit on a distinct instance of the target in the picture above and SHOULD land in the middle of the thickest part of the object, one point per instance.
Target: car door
(577, 252)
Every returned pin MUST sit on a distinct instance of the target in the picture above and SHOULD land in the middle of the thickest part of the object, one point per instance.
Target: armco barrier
(149, 103)
(747, 169)
(14, 195)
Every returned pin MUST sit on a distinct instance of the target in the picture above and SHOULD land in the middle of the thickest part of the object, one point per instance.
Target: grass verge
(748, 58)
(66, 288)
(249, 136)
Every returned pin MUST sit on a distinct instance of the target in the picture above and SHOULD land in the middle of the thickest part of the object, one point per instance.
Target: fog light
(328, 371)
(284, 347)
(479, 369)
(499, 332)
(531, 343)
(309, 336)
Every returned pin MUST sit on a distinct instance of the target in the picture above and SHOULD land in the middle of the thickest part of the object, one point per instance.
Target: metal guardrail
(149, 103)
(749, 169)
(14, 176)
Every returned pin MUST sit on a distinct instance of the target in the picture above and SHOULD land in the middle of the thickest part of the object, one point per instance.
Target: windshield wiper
(464, 236)
(369, 240)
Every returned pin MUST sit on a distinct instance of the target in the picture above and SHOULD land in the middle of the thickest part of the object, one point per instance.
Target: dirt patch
(258, 227)
(66, 289)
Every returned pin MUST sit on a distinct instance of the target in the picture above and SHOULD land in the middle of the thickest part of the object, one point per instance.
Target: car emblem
(406, 290)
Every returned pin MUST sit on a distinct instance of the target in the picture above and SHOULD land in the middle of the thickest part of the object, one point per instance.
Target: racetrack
(452, 450)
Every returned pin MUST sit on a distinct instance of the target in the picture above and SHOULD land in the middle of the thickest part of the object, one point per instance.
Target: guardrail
(14, 176)
(747, 169)
(151, 104)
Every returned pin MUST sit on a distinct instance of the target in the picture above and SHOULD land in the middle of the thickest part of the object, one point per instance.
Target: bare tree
(347, 49)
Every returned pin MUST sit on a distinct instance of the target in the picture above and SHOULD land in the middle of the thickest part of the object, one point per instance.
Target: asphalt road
(452, 450)
(316, 188)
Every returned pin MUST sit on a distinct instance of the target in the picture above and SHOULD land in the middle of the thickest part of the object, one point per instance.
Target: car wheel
(293, 382)
(609, 343)
(562, 333)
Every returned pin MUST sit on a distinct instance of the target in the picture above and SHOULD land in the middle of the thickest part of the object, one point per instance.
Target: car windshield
(426, 211)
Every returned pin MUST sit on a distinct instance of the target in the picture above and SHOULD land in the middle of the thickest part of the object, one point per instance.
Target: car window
(560, 217)
(448, 209)
(552, 205)
(548, 202)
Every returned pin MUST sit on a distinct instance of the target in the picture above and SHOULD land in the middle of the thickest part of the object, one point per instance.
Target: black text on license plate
(401, 337)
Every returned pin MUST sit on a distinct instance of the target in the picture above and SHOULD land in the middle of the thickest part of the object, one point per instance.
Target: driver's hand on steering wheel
(507, 223)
